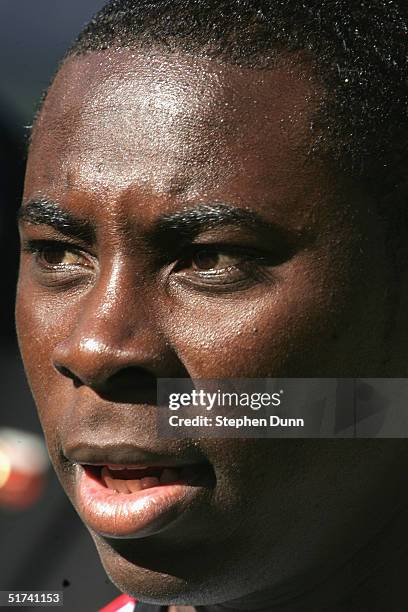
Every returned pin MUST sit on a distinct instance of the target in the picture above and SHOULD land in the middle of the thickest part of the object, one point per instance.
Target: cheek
(304, 324)
(41, 322)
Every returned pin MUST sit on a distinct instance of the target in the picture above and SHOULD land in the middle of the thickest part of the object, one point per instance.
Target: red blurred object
(123, 603)
(23, 466)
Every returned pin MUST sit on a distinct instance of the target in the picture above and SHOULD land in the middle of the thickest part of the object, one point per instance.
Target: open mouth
(132, 479)
(126, 491)
(138, 500)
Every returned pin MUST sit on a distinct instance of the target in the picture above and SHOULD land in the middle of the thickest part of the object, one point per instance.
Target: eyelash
(249, 269)
(246, 258)
(38, 248)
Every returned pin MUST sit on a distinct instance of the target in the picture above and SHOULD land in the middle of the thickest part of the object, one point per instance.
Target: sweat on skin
(123, 143)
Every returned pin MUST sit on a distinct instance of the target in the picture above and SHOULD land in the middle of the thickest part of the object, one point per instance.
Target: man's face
(179, 225)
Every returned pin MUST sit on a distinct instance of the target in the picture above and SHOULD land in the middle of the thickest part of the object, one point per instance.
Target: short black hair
(358, 49)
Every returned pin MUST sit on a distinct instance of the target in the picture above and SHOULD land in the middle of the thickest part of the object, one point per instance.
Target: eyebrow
(186, 224)
(168, 231)
(45, 212)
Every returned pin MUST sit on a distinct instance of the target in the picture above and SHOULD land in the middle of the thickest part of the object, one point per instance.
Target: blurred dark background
(43, 545)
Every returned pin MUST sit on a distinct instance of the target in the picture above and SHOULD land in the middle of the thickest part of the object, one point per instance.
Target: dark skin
(287, 277)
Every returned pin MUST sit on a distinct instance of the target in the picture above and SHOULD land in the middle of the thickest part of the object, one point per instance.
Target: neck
(374, 578)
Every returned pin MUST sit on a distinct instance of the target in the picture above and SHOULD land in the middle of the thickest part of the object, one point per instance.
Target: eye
(222, 268)
(207, 259)
(61, 256)
(58, 257)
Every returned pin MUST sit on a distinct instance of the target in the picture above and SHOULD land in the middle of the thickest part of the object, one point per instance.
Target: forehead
(172, 124)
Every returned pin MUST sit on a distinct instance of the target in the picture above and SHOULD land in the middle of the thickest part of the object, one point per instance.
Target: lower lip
(124, 515)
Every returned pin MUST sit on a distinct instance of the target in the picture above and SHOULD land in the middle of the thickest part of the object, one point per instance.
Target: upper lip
(125, 454)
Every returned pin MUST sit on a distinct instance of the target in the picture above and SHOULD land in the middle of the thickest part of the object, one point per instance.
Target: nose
(114, 340)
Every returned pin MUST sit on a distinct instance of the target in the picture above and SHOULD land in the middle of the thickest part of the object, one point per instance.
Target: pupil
(205, 260)
(54, 257)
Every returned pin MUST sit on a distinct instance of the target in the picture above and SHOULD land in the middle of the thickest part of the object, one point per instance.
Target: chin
(160, 587)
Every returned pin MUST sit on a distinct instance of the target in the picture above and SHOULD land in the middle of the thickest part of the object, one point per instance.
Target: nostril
(132, 385)
(68, 374)
(131, 376)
